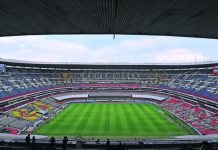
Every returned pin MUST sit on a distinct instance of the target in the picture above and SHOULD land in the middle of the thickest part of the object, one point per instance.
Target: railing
(80, 143)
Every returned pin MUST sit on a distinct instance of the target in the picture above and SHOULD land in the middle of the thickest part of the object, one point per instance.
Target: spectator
(108, 144)
(33, 139)
(97, 142)
(120, 145)
(34, 143)
(27, 139)
(65, 140)
(53, 141)
(205, 146)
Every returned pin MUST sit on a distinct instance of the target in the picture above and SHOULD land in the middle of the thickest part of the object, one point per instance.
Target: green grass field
(111, 120)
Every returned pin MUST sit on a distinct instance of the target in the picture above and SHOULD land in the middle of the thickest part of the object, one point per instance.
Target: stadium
(125, 102)
(108, 105)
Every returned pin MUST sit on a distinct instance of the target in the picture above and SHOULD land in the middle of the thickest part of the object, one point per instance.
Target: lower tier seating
(204, 121)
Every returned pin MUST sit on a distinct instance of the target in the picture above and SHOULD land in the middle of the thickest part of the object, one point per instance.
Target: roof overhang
(68, 65)
(189, 18)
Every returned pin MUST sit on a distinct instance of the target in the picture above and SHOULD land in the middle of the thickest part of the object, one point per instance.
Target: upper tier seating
(197, 83)
(16, 81)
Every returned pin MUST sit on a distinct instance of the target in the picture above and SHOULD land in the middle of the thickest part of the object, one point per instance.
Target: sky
(103, 48)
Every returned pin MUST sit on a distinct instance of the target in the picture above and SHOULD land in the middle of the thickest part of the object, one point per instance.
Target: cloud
(178, 55)
(39, 48)
(97, 49)
(43, 48)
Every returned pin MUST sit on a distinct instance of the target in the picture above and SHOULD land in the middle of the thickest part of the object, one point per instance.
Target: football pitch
(111, 120)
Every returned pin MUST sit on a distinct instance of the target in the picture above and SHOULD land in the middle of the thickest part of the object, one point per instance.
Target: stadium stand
(17, 81)
(29, 96)
(202, 120)
(28, 88)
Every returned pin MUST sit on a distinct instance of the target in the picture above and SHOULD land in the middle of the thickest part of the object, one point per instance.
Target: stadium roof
(190, 18)
(111, 65)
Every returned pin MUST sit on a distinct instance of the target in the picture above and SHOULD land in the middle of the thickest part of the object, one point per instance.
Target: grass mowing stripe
(110, 119)
(101, 120)
(140, 116)
(74, 120)
(158, 123)
(81, 120)
(124, 118)
(107, 118)
(93, 121)
(131, 124)
(118, 120)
